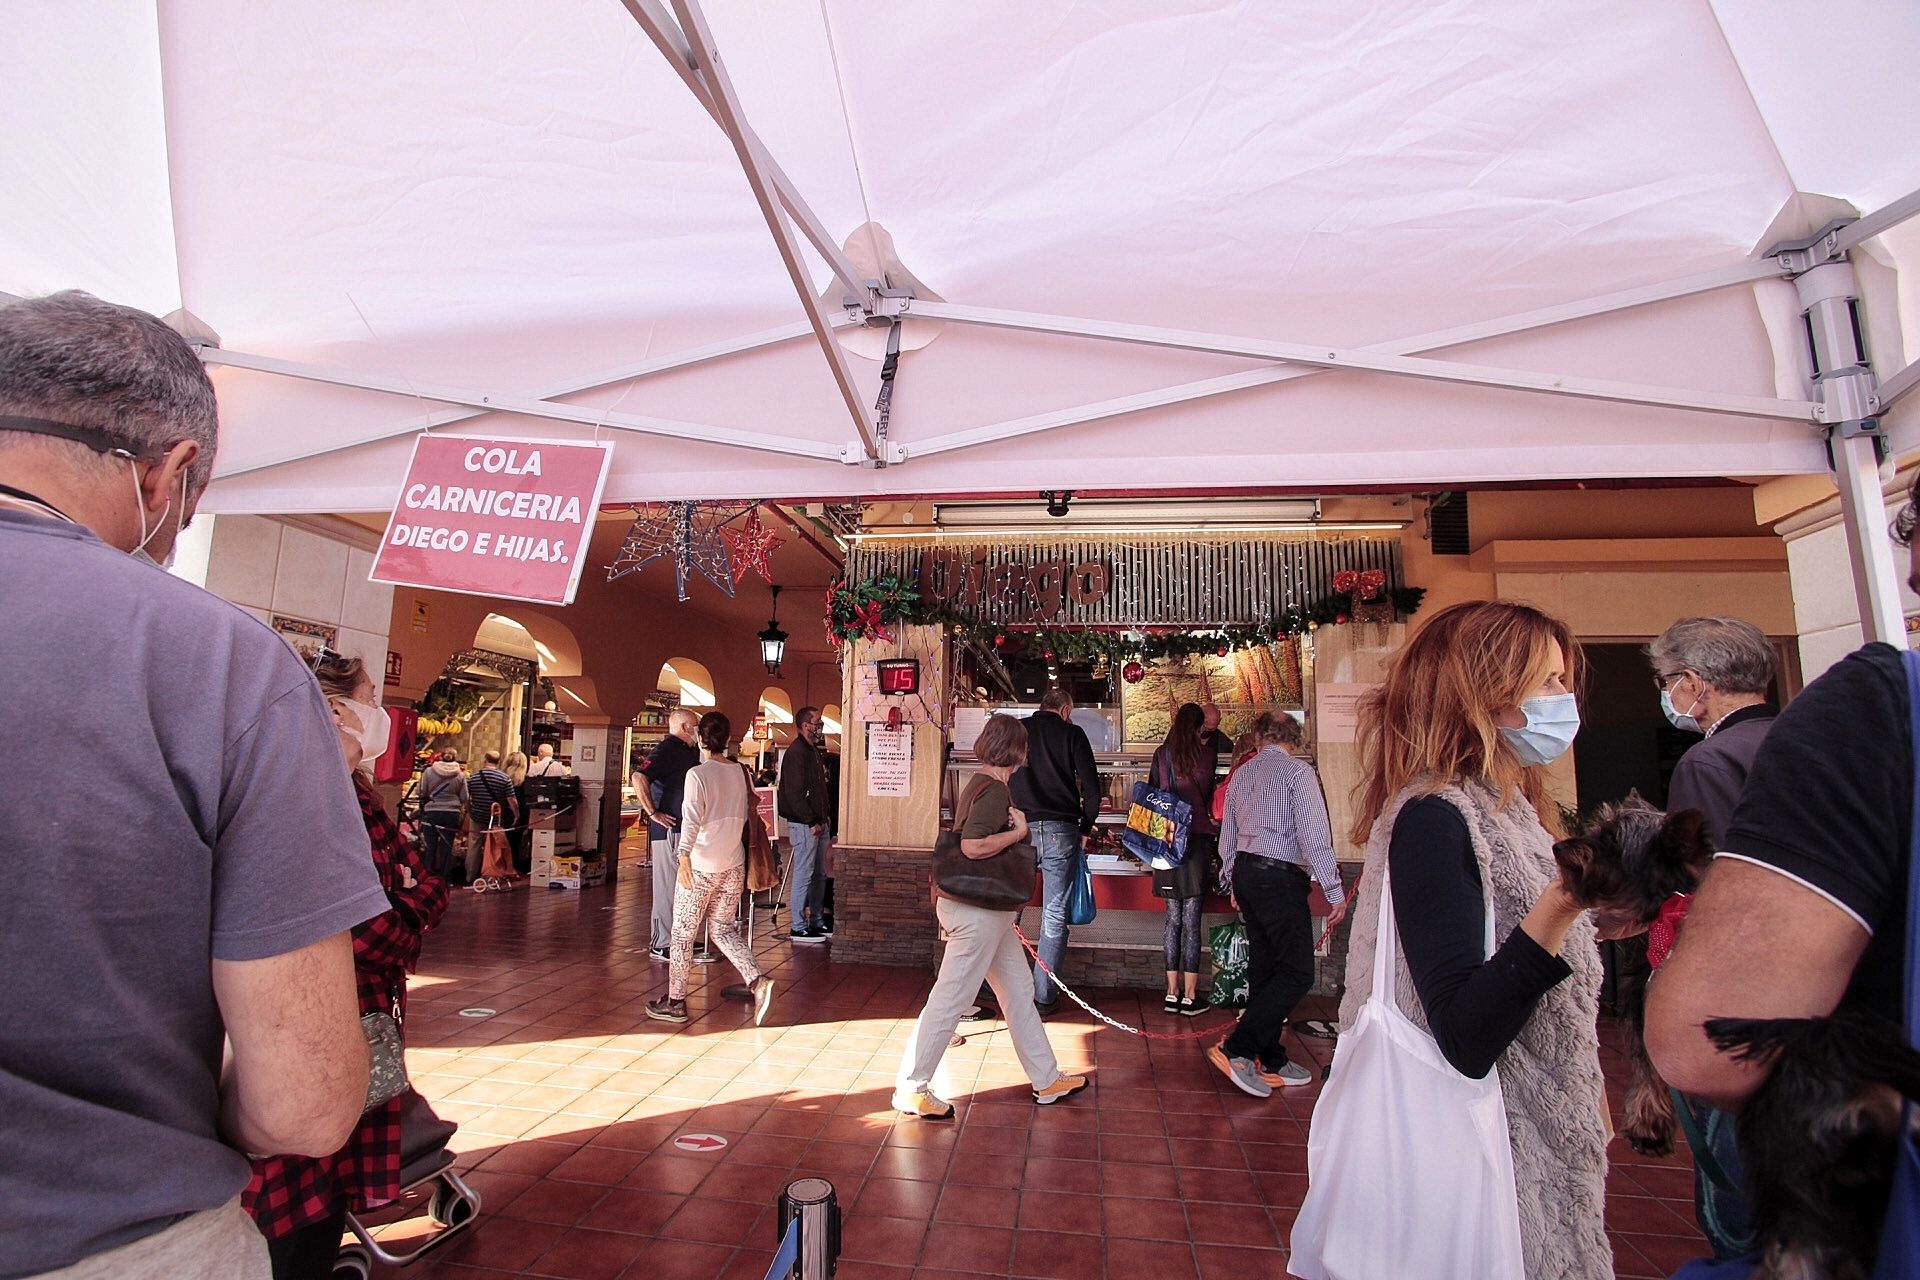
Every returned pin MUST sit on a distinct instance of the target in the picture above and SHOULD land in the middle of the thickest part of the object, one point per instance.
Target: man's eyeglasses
(1665, 681)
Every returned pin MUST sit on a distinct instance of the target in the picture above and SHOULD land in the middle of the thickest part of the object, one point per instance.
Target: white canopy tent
(1135, 245)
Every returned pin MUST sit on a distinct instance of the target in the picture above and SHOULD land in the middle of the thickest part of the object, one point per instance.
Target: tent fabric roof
(515, 199)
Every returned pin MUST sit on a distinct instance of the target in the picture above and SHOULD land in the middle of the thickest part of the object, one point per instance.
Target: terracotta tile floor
(569, 1100)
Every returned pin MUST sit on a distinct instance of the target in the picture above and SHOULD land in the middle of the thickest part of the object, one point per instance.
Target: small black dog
(1625, 867)
(1818, 1141)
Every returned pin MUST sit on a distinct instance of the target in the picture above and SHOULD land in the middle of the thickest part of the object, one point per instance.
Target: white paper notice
(889, 760)
(1337, 707)
(967, 724)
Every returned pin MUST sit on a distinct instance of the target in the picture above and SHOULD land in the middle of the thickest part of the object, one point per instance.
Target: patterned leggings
(713, 901)
(1183, 935)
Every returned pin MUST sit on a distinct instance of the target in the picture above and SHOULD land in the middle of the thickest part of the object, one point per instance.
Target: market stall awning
(1195, 244)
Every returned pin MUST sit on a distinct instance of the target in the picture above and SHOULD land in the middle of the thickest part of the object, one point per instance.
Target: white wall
(301, 568)
(1826, 612)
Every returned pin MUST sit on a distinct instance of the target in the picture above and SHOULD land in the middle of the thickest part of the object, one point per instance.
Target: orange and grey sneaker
(921, 1103)
(1063, 1087)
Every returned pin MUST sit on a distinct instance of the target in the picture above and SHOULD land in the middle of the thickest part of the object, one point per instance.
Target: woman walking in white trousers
(980, 944)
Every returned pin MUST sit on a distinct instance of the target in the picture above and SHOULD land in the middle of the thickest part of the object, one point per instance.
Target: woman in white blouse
(713, 871)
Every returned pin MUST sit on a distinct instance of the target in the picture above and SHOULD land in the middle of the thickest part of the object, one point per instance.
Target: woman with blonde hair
(1456, 820)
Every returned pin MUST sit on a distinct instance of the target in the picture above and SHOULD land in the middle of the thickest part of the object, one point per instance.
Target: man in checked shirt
(1275, 836)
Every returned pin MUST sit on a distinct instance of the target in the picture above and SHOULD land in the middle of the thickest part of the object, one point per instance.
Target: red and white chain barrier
(1216, 1029)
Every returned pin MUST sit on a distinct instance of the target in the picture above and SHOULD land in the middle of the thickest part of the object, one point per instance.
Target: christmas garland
(867, 610)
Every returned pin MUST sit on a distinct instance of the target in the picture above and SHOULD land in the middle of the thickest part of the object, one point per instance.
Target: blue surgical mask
(1679, 719)
(1552, 721)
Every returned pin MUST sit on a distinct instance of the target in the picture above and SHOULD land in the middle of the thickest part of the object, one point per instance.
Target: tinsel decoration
(857, 609)
(689, 532)
(750, 546)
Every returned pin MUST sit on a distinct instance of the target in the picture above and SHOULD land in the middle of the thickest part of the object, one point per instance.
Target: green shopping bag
(1228, 943)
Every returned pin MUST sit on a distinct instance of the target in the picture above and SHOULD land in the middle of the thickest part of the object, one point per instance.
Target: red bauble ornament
(1000, 638)
(1132, 673)
(1047, 654)
(1220, 652)
(1340, 618)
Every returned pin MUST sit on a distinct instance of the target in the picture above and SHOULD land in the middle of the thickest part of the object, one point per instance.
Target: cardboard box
(573, 872)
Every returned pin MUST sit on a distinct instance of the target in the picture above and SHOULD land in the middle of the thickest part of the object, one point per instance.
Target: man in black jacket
(803, 802)
(1059, 791)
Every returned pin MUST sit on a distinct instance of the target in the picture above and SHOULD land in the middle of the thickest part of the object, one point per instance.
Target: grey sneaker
(1291, 1073)
(1242, 1071)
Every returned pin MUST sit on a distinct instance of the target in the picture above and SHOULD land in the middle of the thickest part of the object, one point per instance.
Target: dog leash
(1697, 1141)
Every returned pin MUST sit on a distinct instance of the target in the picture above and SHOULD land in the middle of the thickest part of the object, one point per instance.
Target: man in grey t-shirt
(180, 873)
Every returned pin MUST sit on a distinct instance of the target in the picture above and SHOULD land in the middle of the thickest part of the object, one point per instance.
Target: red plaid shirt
(290, 1192)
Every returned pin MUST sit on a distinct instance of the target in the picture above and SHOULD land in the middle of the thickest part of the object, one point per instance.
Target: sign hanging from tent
(489, 517)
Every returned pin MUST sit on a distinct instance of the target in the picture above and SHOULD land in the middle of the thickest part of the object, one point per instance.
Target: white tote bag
(1410, 1174)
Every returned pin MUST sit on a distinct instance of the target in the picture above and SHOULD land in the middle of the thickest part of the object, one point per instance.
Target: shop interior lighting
(1131, 513)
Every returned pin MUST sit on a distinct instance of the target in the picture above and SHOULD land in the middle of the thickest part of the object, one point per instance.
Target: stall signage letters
(495, 517)
(1015, 592)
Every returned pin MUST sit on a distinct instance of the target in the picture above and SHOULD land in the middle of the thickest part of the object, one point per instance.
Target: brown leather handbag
(761, 873)
(1003, 882)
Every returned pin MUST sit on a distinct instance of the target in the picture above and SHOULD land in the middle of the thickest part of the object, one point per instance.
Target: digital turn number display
(899, 675)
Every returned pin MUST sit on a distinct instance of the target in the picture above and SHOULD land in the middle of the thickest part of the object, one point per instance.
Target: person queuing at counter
(1713, 675)
(301, 1204)
(1184, 763)
(1059, 790)
(1275, 841)
(802, 799)
(661, 785)
(159, 907)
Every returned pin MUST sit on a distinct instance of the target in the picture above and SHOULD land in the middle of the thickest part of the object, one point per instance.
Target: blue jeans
(808, 893)
(1058, 844)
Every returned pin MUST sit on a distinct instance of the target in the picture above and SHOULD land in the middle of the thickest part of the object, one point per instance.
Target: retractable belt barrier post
(809, 1226)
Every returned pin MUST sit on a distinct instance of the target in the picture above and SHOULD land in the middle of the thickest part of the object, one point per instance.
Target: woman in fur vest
(1453, 803)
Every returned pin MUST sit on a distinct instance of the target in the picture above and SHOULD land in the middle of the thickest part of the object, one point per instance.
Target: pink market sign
(495, 517)
(704, 1143)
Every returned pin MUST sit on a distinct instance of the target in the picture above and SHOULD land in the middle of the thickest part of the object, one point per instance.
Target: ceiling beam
(727, 113)
(672, 43)
(1439, 339)
(498, 402)
(1360, 358)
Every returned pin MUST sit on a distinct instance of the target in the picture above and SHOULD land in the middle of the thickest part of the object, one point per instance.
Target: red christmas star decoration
(751, 547)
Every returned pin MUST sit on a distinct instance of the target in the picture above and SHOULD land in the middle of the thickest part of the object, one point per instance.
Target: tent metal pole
(672, 43)
(1899, 385)
(589, 382)
(1849, 403)
(1380, 362)
(1879, 220)
(1863, 510)
(726, 105)
(1705, 282)
(496, 402)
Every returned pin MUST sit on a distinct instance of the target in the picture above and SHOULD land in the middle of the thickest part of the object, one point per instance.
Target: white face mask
(1552, 722)
(147, 535)
(371, 724)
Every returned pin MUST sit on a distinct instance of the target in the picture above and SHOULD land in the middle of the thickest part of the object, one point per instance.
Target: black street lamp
(773, 641)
